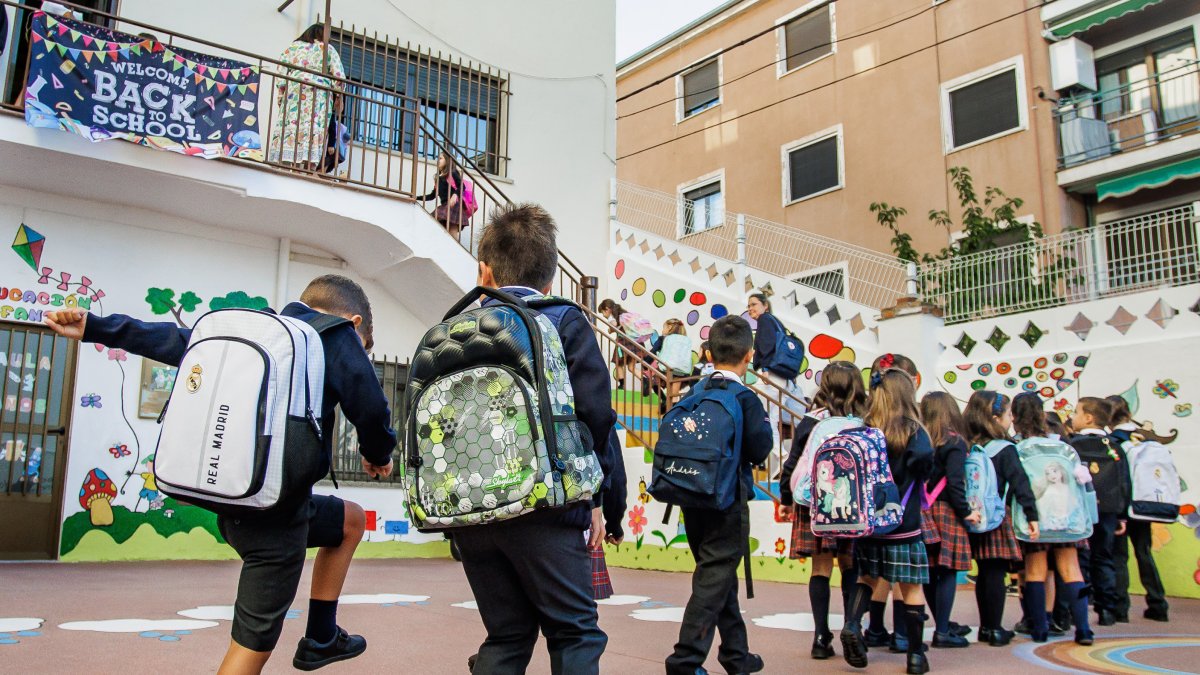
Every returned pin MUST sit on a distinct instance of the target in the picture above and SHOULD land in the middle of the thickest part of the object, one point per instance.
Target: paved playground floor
(417, 615)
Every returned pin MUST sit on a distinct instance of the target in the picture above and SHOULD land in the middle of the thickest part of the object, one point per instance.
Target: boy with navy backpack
(272, 542)
(703, 463)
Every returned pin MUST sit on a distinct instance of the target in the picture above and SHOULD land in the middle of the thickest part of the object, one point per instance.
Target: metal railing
(1115, 258)
(347, 463)
(1093, 126)
(834, 267)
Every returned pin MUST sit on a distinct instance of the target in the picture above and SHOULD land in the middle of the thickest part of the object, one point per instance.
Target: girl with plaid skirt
(1029, 421)
(988, 416)
(952, 553)
(841, 394)
(898, 557)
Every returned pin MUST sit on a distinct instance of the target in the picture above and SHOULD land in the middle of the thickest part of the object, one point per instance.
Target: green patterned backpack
(491, 432)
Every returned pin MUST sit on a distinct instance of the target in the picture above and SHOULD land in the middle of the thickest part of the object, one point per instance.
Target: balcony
(1140, 124)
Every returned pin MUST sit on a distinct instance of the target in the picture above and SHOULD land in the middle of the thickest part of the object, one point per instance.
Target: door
(35, 410)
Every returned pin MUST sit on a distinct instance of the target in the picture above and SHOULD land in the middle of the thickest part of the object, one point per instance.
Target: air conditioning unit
(1072, 65)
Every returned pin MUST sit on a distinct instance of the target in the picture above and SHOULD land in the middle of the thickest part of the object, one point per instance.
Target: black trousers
(1099, 565)
(718, 543)
(1137, 534)
(527, 574)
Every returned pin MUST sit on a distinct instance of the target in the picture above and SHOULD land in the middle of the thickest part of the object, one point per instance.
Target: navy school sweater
(616, 491)
(800, 434)
(909, 470)
(949, 462)
(349, 376)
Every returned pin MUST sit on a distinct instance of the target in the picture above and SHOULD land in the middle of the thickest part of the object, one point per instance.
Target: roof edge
(679, 32)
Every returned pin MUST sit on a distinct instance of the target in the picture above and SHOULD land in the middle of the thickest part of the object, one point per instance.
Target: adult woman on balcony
(302, 111)
(448, 192)
(765, 339)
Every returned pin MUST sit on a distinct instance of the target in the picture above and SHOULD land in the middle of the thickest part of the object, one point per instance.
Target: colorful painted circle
(824, 346)
(1029, 385)
(680, 295)
(1063, 384)
(1011, 383)
(963, 366)
(1047, 392)
(753, 322)
(1003, 368)
(1081, 361)
(620, 270)
(639, 286)
(692, 317)
(1042, 376)
(985, 369)
(1025, 371)
(704, 332)
(719, 311)
(1040, 363)
(978, 385)
(817, 377)
(808, 374)
(1057, 373)
(659, 298)
(1077, 374)
(950, 377)
(1060, 358)
(847, 354)
(698, 299)
(624, 294)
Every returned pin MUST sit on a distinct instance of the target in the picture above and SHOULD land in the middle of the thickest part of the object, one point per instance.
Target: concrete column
(911, 328)
(281, 273)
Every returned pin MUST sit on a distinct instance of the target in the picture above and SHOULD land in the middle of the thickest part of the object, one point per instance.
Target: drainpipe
(281, 272)
(741, 245)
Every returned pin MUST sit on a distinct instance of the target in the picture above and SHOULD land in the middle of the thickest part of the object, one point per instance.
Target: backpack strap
(322, 322)
(930, 496)
(473, 297)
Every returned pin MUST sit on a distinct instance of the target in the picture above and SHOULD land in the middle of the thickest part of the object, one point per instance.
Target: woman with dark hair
(304, 100)
(448, 192)
(765, 336)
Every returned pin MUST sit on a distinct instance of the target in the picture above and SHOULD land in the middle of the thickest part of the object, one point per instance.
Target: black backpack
(1110, 471)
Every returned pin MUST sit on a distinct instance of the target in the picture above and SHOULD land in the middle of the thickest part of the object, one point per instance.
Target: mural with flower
(638, 522)
(780, 550)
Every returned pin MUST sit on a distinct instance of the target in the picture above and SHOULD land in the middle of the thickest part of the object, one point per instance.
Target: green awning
(1104, 13)
(1150, 178)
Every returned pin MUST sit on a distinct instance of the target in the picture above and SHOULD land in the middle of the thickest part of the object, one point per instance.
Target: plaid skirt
(805, 544)
(897, 563)
(954, 548)
(601, 583)
(929, 534)
(999, 544)
(1038, 547)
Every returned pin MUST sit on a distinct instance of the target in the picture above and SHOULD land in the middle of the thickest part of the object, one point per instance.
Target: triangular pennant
(245, 72)
(221, 87)
(101, 43)
(87, 54)
(75, 53)
(87, 40)
(224, 73)
(62, 30)
(179, 59)
(62, 51)
(100, 55)
(188, 71)
(125, 52)
(241, 88)
(36, 38)
(49, 46)
(176, 66)
(51, 22)
(166, 57)
(136, 49)
(208, 83)
(202, 68)
(75, 35)
(253, 87)
(198, 78)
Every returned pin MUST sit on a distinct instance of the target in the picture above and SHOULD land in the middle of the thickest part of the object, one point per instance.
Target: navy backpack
(697, 457)
(789, 351)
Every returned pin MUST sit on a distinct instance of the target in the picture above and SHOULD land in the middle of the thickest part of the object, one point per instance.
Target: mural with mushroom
(96, 496)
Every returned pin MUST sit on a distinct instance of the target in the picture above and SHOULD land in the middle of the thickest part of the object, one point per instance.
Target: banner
(102, 84)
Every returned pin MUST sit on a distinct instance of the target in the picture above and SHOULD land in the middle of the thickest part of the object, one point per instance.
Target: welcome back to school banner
(102, 84)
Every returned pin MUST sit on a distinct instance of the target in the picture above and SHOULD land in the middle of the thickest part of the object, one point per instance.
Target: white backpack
(676, 354)
(1156, 494)
(240, 431)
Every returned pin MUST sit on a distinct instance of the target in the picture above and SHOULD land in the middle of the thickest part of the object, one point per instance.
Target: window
(703, 207)
(985, 105)
(830, 280)
(1161, 76)
(701, 88)
(454, 102)
(806, 38)
(813, 165)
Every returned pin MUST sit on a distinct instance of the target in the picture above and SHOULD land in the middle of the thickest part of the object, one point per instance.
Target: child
(952, 553)
(1110, 470)
(1029, 421)
(631, 330)
(543, 550)
(1137, 532)
(674, 351)
(900, 556)
(989, 416)
(718, 538)
(271, 545)
(840, 394)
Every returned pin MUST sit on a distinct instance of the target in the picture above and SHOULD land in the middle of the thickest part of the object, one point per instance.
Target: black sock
(818, 594)
(859, 601)
(991, 575)
(849, 584)
(1035, 608)
(322, 621)
(898, 610)
(1077, 598)
(914, 621)
(876, 625)
(943, 591)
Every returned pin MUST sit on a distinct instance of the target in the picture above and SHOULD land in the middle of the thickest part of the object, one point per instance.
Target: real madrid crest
(194, 380)
(1094, 468)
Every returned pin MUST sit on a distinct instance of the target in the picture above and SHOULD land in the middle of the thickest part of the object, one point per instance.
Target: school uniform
(949, 510)
(765, 334)
(1137, 533)
(535, 572)
(1098, 560)
(272, 544)
(805, 544)
(901, 557)
(718, 543)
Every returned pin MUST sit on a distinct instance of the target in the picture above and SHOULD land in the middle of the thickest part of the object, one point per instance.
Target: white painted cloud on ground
(668, 614)
(623, 600)
(209, 613)
(137, 625)
(14, 624)
(469, 604)
(380, 599)
(802, 621)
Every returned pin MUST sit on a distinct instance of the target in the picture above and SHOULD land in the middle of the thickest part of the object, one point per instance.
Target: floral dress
(301, 114)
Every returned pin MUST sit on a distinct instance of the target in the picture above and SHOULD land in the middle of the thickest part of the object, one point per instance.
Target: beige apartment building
(1085, 109)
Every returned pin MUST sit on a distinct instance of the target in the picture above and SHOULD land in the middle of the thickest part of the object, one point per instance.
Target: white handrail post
(612, 200)
(741, 247)
(910, 279)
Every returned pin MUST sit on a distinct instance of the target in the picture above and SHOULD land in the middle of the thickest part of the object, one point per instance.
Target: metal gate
(35, 409)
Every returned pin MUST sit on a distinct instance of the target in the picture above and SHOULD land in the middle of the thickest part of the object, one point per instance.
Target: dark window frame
(690, 195)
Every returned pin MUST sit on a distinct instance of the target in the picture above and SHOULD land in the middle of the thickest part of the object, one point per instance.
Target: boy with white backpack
(278, 517)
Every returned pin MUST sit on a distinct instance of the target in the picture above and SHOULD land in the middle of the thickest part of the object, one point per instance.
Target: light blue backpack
(983, 488)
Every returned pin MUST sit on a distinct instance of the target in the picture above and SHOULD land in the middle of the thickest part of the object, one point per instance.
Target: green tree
(162, 301)
(238, 299)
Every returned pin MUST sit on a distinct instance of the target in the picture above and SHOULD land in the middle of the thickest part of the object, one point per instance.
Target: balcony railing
(1134, 116)
(844, 270)
(1124, 256)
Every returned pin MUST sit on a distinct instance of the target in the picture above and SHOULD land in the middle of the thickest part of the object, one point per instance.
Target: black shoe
(1107, 618)
(1056, 630)
(1155, 615)
(917, 664)
(1022, 627)
(959, 629)
(854, 647)
(880, 639)
(898, 644)
(471, 662)
(1121, 617)
(311, 655)
(1085, 639)
(823, 647)
(985, 635)
(753, 663)
(1039, 637)
(949, 641)
(1001, 637)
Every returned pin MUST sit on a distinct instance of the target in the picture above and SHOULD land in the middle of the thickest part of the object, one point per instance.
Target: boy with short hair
(535, 571)
(718, 538)
(272, 544)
